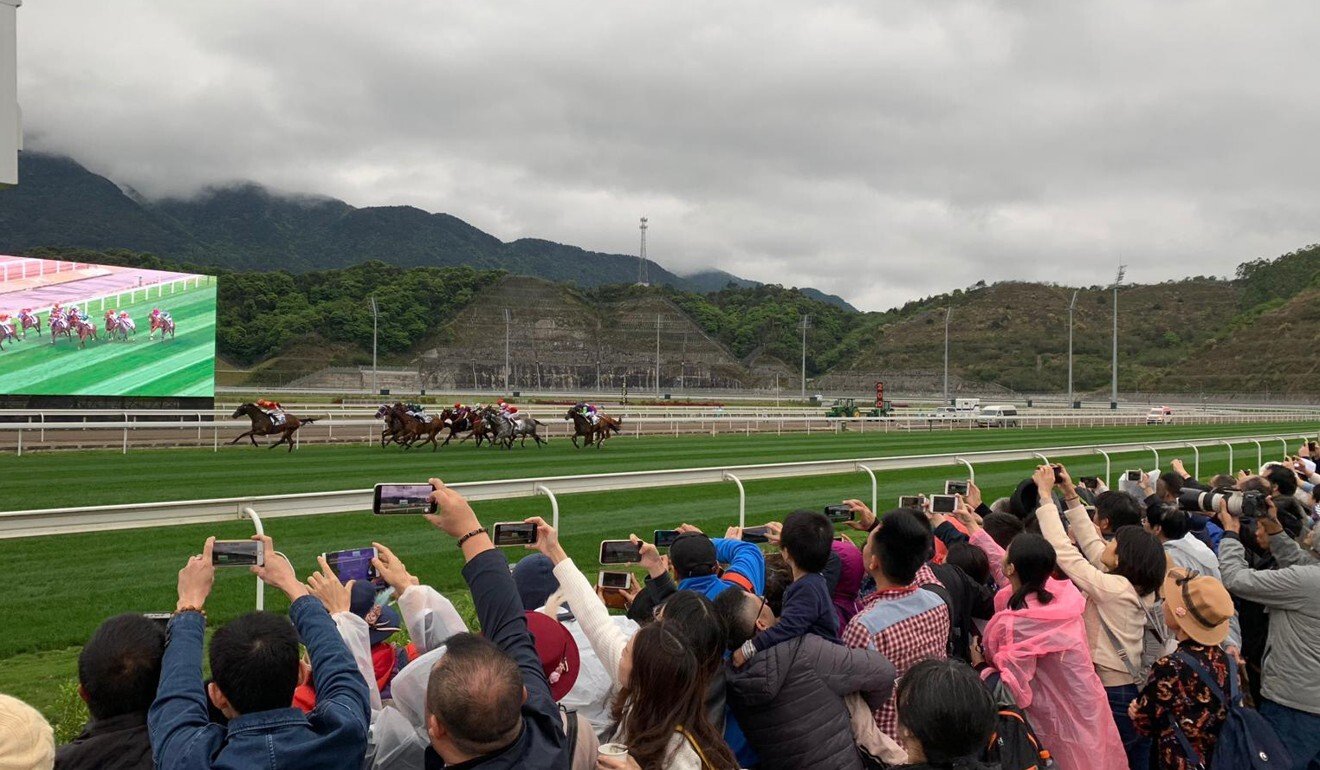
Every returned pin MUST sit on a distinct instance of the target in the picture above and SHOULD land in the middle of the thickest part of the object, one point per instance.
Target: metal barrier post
(742, 499)
(1157, 455)
(875, 487)
(1260, 455)
(1196, 469)
(1283, 441)
(1108, 466)
(125, 438)
(1230, 456)
(1043, 458)
(20, 442)
(261, 584)
(541, 489)
(971, 472)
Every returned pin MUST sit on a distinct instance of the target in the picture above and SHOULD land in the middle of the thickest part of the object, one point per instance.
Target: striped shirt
(906, 625)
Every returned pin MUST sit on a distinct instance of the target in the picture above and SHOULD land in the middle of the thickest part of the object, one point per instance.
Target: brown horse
(264, 425)
(85, 331)
(457, 423)
(597, 433)
(29, 321)
(414, 428)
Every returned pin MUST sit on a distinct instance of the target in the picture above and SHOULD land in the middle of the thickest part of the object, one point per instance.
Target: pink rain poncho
(1042, 657)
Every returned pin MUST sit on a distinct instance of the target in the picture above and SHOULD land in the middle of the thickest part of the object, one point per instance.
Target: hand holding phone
(955, 487)
(352, 564)
(837, 514)
(402, 499)
(943, 504)
(756, 534)
(663, 538)
(507, 533)
(620, 552)
(916, 502)
(237, 553)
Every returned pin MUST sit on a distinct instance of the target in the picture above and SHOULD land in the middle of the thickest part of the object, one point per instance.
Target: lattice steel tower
(643, 273)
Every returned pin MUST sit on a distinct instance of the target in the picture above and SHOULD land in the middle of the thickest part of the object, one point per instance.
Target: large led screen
(76, 329)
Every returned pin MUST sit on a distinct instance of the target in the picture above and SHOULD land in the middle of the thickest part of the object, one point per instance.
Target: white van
(998, 417)
(967, 406)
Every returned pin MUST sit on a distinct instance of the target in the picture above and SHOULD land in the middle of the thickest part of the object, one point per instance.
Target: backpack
(1246, 741)
(1013, 744)
(956, 583)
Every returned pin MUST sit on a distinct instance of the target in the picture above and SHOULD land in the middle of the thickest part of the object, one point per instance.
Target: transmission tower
(643, 274)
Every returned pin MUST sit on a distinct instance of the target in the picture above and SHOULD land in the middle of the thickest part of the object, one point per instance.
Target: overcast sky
(879, 150)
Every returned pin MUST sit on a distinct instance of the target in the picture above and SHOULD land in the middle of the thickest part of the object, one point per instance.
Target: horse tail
(538, 422)
(309, 420)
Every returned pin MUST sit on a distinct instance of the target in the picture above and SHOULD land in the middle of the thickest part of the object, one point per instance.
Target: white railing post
(261, 584)
(1230, 456)
(1196, 467)
(20, 442)
(1108, 467)
(971, 472)
(1042, 457)
(1283, 441)
(742, 499)
(1157, 456)
(875, 487)
(542, 489)
(1260, 456)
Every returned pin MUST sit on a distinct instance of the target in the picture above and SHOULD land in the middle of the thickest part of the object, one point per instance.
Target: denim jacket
(333, 735)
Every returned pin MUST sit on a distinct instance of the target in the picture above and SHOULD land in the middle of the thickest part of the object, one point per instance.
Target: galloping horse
(163, 323)
(60, 325)
(393, 426)
(6, 332)
(28, 320)
(86, 330)
(118, 326)
(414, 428)
(582, 426)
(457, 423)
(263, 425)
(510, 428)
(482, 425)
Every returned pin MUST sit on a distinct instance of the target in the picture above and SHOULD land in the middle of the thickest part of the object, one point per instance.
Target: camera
(1247, 505)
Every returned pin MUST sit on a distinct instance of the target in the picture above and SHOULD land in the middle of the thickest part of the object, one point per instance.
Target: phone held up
(943, 503)
(352, 564)
(663, 538)
(506, 533)
(839, 513)
(912, 501)
(619, 552)
(238, 553)
(613, 585)
(402, 499)
(759, 534)
(955, 487)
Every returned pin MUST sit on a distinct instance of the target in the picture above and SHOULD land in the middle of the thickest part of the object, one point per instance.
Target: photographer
(1290, 679)
(255, 665)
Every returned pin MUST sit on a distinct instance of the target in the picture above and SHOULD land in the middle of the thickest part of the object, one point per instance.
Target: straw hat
(1199, 604)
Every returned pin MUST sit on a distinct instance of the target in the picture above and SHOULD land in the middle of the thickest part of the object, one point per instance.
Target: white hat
(26, 740)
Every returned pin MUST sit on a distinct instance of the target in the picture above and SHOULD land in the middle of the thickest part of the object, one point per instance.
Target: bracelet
(470, 535)
(198, 610)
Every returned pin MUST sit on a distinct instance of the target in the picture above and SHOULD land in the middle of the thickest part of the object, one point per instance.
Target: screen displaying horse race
(77, 329)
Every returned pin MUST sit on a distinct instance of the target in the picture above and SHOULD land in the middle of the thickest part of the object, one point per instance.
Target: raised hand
(196, 578)
(392, 570)
(655, 564)
(863, 517)
(547, 540)
(325, 585)
(278, 571)
(453, 514)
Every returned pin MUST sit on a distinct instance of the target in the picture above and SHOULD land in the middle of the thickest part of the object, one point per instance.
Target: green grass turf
(41, 479)
(61, 587)
(183, 365)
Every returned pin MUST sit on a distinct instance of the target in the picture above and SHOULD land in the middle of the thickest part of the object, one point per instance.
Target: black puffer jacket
(789, 701)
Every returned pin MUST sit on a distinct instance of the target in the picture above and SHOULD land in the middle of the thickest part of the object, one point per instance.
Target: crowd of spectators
(1067, 626)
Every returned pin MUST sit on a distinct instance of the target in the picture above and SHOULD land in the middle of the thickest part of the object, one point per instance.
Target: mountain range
(60, 203)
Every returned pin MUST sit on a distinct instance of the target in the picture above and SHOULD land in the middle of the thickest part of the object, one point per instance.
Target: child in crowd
(805, 540)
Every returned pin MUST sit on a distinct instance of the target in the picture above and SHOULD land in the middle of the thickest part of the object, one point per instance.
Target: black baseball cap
(692, 553)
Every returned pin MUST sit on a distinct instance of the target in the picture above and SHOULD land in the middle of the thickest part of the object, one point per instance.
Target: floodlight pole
(1071, 307)
(1113, 397)
(657, 355)
(508, 318)
(375, 318)
(948, 313)
(806, 319)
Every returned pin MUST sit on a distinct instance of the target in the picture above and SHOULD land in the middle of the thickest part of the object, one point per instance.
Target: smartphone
(1090, 482)
(513, 533)
(1137, 476)
(392, 499)
(238, 553)
(839, 513)
(1058, 473)
(756, 534)
(619, 552)
(162, 618)
(352, 564)
(952, 487)
(912, 501)
(943, 503)
(663, 538)
(620, 581)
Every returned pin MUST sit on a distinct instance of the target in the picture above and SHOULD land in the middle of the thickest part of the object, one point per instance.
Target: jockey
(506, 409)
(82, 315)
(593, 414)
(269, 407)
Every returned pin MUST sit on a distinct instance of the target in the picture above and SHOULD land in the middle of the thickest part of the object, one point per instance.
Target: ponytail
(1033, 561)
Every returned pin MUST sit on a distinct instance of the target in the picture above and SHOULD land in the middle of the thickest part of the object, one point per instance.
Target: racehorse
(263, 425)
(118, 326)
(28, 320)
(393, 426)
(86, 330)
(7, 333)
(483, 425)
(510, 428)
(60, 325)
(458, 423)
(159, 321)
(582, 426)
(413, 428)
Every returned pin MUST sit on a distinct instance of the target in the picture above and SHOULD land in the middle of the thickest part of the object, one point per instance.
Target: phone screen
(943, 503)
(619, 552)
(665, 537)
(952, 487)
(353, 564)
(838, 513)
(161, 618)
(755, 535)
(615, 579)
(402, 499)
(236, 553)
(514, 533)
(911, 501)
(1134, 475)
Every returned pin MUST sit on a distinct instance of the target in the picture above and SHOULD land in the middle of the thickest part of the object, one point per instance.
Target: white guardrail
(14, 524)
(218, 431)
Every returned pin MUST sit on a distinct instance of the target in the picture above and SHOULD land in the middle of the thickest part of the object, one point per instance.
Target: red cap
(557, 651)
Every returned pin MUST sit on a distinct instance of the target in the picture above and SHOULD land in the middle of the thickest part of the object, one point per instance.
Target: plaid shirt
(906, 625)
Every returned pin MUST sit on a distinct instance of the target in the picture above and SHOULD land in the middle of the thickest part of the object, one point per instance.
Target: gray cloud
(882, 151)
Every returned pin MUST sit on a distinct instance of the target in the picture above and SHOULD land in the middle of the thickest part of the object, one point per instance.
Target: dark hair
(1033, 560)
(1002, 528)
(806, 538)
(1291, 514)
(969, 559)
(901, 540)
(734, 607)
(1256, 484)
(476, 692)
(666, 690)
(946, 708)
(1173, 523)
(1141, 559)
(1283, 478)
(1118, 508)
(778, 577)
(1222, 480)
(1172, 481)
(254, 659)
(692, 618)
(119, 667)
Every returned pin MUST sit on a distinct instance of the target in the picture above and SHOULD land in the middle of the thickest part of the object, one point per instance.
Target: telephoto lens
(1240, 504)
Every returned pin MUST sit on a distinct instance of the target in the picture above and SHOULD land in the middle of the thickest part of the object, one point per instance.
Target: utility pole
(657, 353)
(948, 313)
(1113, 397)
(806, 320)
(1071, 307)
(508, 319)
(374, 325)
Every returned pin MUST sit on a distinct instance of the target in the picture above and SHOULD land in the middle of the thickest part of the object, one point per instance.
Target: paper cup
(613, 750)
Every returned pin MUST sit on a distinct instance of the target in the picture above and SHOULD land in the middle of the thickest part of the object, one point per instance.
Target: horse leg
(283, 437)
(240, 438)
(288, 436)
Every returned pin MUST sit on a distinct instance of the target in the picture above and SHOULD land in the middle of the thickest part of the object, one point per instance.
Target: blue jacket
(746, 570)
(542, 744)
(333, 735)
(808, 609)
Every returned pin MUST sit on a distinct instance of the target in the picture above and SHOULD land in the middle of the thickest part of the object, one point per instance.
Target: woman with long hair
(1035, 644)
(662, 673)
(1121, 579)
